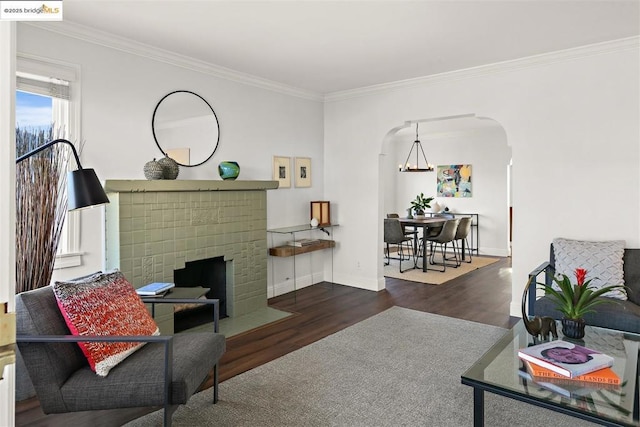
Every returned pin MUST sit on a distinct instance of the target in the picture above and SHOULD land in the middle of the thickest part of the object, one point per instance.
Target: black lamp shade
(84, 189)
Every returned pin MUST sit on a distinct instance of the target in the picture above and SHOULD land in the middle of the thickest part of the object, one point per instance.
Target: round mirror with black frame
(185, 128)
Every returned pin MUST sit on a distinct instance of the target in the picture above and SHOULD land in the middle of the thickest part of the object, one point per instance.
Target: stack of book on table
(567, 368)
(302, 242)
(155, 289)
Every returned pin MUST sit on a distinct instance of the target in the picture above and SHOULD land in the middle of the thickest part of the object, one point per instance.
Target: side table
(497, 372)
(163, 314)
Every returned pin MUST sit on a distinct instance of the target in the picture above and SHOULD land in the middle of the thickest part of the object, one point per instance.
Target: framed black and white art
(303, 171)
(282, 171)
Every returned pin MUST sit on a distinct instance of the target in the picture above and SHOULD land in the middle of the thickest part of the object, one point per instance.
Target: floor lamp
(83, 187)
(83, 190)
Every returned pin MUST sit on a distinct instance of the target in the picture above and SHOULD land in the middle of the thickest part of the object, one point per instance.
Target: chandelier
(408, 167)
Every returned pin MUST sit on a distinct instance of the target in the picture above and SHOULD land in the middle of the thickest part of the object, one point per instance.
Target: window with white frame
(48, 95)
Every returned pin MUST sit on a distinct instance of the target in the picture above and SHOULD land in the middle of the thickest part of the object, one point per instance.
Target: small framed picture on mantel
(303, 171)
(282, 171)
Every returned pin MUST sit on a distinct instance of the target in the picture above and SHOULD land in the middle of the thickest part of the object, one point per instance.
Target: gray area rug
(398, 368)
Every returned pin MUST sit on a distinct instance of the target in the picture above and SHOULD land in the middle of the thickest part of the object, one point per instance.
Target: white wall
(572, 121)
(8, 195)
(485, 149)
(119, 93)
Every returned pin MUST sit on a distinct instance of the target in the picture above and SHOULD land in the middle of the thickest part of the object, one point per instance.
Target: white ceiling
(331, 46)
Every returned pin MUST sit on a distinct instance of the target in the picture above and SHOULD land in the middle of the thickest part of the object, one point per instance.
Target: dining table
(425, 223)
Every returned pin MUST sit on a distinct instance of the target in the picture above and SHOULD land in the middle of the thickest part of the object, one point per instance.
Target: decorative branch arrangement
(41, 205)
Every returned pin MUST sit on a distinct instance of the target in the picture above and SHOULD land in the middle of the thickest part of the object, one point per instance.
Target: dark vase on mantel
(573, 328)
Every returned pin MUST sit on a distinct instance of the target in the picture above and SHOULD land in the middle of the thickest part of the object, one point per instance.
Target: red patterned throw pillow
(104, 304)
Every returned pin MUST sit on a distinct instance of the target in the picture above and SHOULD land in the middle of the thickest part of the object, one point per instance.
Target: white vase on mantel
(435, 207)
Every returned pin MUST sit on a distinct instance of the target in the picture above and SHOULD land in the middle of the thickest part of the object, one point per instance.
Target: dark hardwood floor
(320, 310)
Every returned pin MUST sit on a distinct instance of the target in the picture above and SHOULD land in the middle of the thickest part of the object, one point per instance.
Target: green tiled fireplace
(155, 227)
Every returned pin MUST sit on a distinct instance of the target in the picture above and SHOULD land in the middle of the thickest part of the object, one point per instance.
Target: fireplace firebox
(207, 273)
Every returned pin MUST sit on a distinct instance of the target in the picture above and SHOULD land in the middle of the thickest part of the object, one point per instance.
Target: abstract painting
(454, 180)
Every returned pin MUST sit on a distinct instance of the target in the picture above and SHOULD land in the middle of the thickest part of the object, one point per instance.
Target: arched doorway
(464, 139)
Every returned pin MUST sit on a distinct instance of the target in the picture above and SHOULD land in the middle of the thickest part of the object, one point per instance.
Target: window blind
(55, 88)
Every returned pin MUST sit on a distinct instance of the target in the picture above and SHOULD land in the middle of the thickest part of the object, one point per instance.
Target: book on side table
(566, 358)
(601, 376)
(568, 387)
(155, 289)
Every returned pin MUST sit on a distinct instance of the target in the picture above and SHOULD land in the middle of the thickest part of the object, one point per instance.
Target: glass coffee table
(500, 371)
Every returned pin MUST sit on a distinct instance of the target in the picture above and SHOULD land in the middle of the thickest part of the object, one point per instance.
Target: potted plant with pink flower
(576, 300)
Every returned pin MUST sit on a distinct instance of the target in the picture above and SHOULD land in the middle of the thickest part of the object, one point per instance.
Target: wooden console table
(287, 250)
(290, 250)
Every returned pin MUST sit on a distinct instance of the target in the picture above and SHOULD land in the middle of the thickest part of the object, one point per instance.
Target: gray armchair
(620, 315)
(165, 372)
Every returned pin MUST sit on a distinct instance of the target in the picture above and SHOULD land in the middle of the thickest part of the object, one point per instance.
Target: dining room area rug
(433, 277)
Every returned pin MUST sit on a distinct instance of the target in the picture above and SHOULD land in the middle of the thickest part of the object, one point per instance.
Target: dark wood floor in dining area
(320, 310)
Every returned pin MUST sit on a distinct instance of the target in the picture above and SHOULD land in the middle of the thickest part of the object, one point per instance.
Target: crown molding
(113, 41)
(123, 44)
(498, 67)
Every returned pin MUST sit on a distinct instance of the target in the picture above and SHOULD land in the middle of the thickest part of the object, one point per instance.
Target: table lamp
(321, 210)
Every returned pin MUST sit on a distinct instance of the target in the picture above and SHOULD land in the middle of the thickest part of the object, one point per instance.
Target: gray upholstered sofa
(619, 314)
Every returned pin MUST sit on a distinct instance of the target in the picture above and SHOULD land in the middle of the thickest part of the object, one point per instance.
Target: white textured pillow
(602, 260)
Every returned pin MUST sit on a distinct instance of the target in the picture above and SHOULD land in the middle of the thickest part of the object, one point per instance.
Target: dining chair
(393, 235)
(462, 233)
(412, 233)
(446, 236)
(435, 230)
